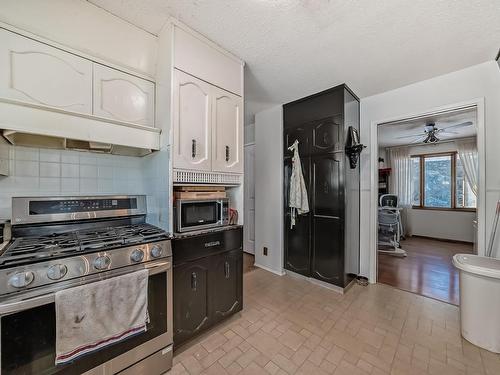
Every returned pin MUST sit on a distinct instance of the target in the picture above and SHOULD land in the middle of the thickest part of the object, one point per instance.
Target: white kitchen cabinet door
(227, 131)
(123, 97)
(191, 123)
(36, 73)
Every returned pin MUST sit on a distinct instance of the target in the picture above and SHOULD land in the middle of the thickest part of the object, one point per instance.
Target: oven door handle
(25, 303)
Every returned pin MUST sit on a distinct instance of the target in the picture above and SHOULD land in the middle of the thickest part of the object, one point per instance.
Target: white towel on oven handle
(93, 316)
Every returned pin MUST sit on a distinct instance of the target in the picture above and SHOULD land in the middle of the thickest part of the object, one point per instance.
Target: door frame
(478, 104)
(245, 205)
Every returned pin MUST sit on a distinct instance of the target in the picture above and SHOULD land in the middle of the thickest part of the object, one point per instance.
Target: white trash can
(480, 300)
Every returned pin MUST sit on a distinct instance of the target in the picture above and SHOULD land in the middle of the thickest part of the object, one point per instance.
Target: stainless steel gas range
(63, 242)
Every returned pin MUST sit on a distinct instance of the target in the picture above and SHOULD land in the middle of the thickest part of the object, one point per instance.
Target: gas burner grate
(32, 249)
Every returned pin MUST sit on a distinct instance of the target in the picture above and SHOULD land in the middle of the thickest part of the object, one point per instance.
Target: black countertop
(205, 231)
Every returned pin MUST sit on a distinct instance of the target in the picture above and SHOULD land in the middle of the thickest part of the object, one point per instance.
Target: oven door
(28, 332)
(199, 214)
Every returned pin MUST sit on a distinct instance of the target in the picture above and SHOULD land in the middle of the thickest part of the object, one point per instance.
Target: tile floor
(290, 326)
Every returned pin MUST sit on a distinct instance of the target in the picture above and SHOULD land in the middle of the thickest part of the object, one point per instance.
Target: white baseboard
(279, 273)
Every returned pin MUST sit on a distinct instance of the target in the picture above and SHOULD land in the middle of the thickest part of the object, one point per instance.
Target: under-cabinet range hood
(27, 125)
(43, 141)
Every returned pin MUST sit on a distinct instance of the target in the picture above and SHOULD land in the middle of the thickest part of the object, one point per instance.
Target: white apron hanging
(297, 201)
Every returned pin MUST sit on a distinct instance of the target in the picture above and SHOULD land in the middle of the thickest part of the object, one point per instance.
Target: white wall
(82, 26)
(480, 81)
(448, 225)
(269, 188)
(249, 134)
(451, 225)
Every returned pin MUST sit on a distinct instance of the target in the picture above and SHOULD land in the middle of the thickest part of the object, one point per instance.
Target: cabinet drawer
(123, 97)
(36, 73)
(195, 56)
(203, 245)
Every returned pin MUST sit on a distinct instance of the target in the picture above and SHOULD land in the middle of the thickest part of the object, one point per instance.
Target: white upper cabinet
(36, 73)
(198, 56)
(227, 131)
(123, 97)
(191, 123)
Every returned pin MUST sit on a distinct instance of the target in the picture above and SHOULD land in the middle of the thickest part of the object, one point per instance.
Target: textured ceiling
(297, 47)
(388, 134)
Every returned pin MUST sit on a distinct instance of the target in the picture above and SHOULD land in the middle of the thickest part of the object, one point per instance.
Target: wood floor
(427, 270)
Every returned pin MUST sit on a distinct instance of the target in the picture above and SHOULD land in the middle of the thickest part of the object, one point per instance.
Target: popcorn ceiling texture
(297, 47)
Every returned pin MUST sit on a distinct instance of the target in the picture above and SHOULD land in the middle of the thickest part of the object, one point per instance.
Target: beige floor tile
(290, 326)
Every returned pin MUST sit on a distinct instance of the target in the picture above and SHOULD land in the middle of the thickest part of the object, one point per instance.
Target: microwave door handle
(25, 304)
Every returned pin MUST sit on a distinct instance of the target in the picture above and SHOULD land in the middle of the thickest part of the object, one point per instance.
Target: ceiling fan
(431, 131)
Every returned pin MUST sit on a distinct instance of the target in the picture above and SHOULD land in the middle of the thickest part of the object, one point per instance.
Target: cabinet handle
(193, 148)
(194, 281)
(227, 153)
(226, 270)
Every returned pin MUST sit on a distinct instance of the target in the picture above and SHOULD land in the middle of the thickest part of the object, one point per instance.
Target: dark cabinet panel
(208, 281)
(325, 104)
(326, 134)
(191, 309)
(226, 288)
(327, 257)
(296, 241)
(327, 190)
(323, 244)
(300, 133)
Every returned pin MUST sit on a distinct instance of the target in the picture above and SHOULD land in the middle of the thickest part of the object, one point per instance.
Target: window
(439, 182)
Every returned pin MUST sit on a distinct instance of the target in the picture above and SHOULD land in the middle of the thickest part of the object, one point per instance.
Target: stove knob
(102, 262)
(156, 251)
(137, 255)
(21, 279)
(57, 271)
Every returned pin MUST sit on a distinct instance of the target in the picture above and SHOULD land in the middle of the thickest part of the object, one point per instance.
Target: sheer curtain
(400, 182)
(467, 152)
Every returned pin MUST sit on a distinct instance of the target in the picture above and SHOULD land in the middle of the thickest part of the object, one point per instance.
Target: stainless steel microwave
(198, 214)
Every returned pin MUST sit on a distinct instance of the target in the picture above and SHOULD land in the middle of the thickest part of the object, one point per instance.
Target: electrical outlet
(264, 250)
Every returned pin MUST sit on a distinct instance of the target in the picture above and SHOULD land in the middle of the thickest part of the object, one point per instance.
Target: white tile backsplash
(26, 168)
(70, 157)
(70, 170)
(52, 156)
(50, 169)
(88, 185)
(70, 185)
(88, 171)
(59, 172)
(50, 184)
(26, 153)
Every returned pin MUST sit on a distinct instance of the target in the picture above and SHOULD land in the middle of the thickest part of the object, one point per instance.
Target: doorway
(427, 198)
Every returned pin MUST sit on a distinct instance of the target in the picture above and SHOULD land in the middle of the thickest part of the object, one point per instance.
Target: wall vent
(198, 177)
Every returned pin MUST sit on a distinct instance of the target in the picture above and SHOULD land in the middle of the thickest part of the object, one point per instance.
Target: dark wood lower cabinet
(227, 283)
(191, 312)
(208, 285)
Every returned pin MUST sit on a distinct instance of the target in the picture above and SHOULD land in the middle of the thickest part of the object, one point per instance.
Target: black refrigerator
(324, 243)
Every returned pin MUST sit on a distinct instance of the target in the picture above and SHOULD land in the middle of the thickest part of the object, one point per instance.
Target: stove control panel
(60, 270)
